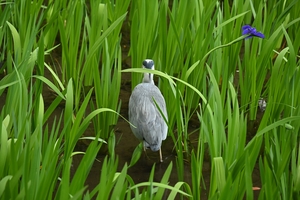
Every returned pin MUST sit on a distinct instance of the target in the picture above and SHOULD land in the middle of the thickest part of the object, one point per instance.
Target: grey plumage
(144, 114)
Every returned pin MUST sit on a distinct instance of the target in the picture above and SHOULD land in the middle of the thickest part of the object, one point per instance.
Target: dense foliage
(207, 66)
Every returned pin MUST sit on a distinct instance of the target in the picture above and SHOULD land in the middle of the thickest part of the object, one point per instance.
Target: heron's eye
(145, 63)
(151, 63)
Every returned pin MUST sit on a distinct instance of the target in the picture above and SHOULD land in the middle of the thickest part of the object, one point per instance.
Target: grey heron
(150, 126)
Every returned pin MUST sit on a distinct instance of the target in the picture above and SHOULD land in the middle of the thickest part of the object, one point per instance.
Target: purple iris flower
(251, 31)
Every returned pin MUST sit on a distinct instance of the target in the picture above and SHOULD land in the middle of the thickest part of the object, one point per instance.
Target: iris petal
(259, 34)
(246, 31)
(251, 31)
(245, 27)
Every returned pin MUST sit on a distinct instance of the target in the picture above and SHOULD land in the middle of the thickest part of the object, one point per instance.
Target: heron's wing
(133, 113)
(143, 113)
(160, 101)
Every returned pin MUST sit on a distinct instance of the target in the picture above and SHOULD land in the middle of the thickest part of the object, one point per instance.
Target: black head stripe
(148, 64)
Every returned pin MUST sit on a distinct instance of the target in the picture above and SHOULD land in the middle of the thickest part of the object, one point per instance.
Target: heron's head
(148, 64)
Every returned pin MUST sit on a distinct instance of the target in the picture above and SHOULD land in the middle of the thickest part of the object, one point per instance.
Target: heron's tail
(153, 147)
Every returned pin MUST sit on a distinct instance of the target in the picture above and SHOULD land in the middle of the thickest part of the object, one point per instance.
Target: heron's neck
(148, 78)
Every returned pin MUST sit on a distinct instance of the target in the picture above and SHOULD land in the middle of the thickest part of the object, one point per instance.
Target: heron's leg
(145, 152)
(160, 155)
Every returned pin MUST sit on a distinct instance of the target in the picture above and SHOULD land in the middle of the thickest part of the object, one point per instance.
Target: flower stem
(224, 45)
